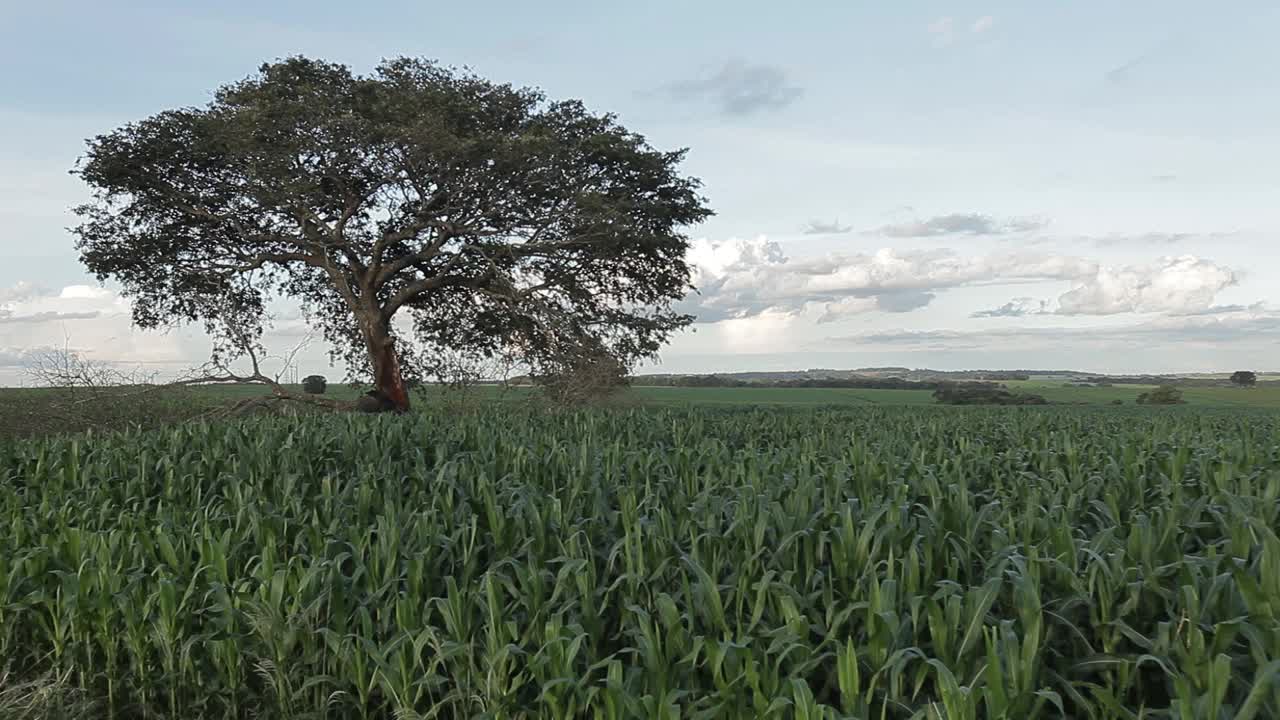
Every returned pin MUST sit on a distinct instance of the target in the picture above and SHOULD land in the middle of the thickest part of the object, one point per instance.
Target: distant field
(1266, 395)
(665, 396)
(780, 396)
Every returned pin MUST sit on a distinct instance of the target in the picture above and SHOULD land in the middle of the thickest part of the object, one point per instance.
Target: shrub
(314, 384)
(983, 394)
(1244, 378)
(583, 374)
(1163, 395)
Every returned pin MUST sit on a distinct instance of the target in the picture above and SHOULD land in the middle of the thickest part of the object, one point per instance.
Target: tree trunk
(386, 368)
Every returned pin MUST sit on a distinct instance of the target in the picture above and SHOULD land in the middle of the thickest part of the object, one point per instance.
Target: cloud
(819, 227)
(1177, 285)
(1151, 238)
(96, 319)
(941, 26)
(1256, 325)
(848, 307)
(739, 89)
(1017, 307)
(1122, 74)
(1164, 178)
(98, 322)
(1257, 307)
(942, 29)
(892, 301)
(1134, 239)
(293, 325)
(27, 303)
(961, 224)
(15, 357)
(20, 292)
(8, 316)
(745, 278)
(1185, 285)
(901, 301)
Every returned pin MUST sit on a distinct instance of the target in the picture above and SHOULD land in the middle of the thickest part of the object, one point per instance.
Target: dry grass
(50, 697)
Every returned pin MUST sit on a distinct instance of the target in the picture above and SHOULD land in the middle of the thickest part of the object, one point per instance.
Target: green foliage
(976, 393)
(488, 214)
(822, 563)
(1163, 395)
(580, 374)
(1244, 378)
(314, 384)
(868, 383)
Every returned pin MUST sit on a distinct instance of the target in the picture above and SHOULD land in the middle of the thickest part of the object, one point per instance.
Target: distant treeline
(948, 392)
(819, 381)
(1158, 380)
(890, 383)
(1142, 380)
(993, 375)
(982, 393)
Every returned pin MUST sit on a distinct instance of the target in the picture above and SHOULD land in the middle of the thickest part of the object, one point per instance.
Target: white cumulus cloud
(93, 321)
(745, 278)
(1178, 285)
(1255, 324)
(28, 304)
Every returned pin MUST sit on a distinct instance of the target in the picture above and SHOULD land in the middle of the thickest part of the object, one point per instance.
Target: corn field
(683, 563)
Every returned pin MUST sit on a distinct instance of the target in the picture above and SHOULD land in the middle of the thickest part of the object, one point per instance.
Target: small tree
(1244, 378)
(461, 374)
(314, 384)
(79, 393)
(581, 371)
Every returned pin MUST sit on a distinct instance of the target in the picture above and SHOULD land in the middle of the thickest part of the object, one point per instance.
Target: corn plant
(851, 563)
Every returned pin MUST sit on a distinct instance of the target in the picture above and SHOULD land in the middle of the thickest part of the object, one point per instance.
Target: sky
(1063, 184)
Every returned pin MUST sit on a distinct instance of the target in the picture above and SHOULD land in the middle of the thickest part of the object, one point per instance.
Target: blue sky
(999, 184)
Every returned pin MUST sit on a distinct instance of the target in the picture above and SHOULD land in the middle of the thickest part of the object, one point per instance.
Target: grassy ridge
(33, 412)
(1263, 396)
(1266, 395)
(656, 563)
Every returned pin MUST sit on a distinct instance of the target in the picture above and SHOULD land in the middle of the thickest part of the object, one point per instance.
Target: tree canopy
(417, 207)
(1244, 378)
(1162, 395)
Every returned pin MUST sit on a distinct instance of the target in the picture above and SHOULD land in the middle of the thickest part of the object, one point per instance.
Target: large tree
(416, 207)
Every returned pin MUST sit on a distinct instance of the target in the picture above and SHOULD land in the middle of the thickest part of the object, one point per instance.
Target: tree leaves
(484, 211)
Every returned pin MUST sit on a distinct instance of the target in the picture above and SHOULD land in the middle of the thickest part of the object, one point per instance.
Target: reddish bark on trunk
(386, 371)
